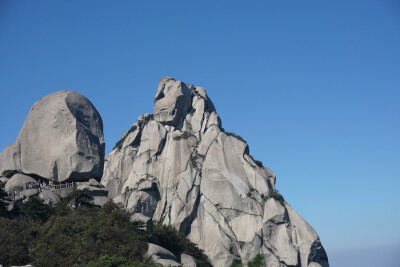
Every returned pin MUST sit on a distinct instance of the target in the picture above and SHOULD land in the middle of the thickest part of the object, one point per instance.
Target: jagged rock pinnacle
(180, 167)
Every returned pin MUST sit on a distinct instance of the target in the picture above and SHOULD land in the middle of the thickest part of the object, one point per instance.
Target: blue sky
(313, 86)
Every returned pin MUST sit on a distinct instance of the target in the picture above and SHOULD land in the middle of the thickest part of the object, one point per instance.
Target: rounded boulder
(62, 139)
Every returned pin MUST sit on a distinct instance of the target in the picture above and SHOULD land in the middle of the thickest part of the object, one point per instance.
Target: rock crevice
(209, 186)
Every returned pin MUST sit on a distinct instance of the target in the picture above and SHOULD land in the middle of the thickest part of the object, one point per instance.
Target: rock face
(61, 139)
(19, 182)
(161, 256)
(180, 167)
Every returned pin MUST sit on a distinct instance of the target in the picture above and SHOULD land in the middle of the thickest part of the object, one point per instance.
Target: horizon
(312, 87)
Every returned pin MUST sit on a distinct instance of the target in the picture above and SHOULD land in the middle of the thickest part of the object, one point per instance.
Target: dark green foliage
(177, 243)
(236, 264)
(251, 190)
(193, 110)
(73, 237)
(9, 173)
(35, 209)
(193, 162)
(257, 162)
(121, 142)
(257, 261)
(15, 239)
(184, 135)
(275, 195)
(116, 261)
(78, 198)
(87, 233)
(3, 201)
(237, 136)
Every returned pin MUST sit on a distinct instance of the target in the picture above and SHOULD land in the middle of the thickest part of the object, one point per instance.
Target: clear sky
(313, 86)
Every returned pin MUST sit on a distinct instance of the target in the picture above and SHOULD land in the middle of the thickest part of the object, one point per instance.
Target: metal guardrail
(60, 186)
(53, 187)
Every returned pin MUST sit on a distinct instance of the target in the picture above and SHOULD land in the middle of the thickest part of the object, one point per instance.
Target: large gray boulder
(161, 256)
(96, 190)
(180, 167)
(19, 182)
(9, 158)
(188, 261)
(61, 139)
(4, 180)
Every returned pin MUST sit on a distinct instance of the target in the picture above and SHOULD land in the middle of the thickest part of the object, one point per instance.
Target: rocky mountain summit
(178, 166)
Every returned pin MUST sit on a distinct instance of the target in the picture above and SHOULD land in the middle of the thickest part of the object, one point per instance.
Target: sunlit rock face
(180, 167)
(61, 139)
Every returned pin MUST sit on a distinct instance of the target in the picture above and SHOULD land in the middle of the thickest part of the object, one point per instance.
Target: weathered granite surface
(61, 139)
(180, 167)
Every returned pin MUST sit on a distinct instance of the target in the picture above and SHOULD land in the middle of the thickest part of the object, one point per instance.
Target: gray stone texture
(181, 168)
(19, 182)
(61, 139)
(160, 255)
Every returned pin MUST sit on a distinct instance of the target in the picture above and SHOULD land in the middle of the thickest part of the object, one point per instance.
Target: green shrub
(193, 162)
(121, 142)
(9, 173)
(184, 135)
(78, 198)
(236, 264)
(235, 135)
(275, 195)
(86, 234)
(16, 237)
(177, 243)
(35, 209)
(257, 261)
(258, 163)
(116, 261)
(73, 237)
(3, 201)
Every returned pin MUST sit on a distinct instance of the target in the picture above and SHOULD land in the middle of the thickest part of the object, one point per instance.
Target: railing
(63, 186)
(59, 186)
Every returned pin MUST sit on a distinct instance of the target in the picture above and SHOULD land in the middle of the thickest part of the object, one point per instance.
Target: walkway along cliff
(177, 166)
(180, 167)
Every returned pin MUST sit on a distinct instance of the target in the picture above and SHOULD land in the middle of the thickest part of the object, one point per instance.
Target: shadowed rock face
(180, 167)
(61, 139)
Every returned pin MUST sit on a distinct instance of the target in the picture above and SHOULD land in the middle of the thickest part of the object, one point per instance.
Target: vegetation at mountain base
(256, 262)
(115, 261)
(77, 233)
(3, 201)
(177, 243)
